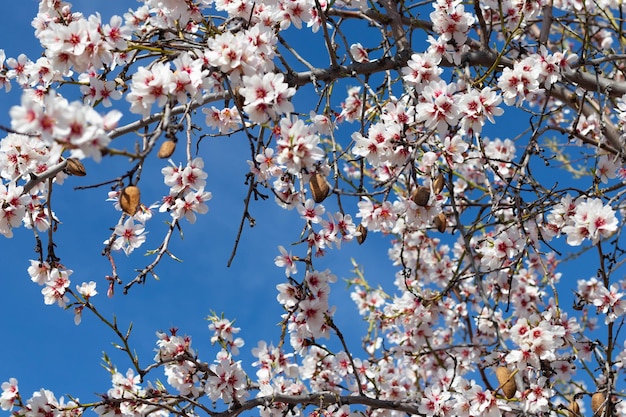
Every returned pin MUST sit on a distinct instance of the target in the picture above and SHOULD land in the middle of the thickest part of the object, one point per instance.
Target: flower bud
(319, 187)
(75, 167)
(438, 184)
(421, 196)
(129, 199)
(440, 222)
(167, 149)
(363, 233)
(507, 381)
(597, 403)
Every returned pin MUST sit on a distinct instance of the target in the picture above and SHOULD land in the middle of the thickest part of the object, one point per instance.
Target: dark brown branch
(322, 400)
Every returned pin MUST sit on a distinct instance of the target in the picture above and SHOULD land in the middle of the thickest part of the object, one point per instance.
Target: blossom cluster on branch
(392, 141)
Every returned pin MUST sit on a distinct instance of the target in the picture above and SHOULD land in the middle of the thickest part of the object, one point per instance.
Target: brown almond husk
(363, 230)
(167, 149)
(507, 381)
(573, 409)
(421, 196)
(438, 184)
(75, 167)
(319, 187)
(597, 403)
(441, 222)
(129, 199)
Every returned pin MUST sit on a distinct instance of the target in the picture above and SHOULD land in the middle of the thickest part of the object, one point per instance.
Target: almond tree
(394, 141)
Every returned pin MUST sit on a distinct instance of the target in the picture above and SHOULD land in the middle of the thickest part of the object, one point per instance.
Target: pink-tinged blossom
(609, 302)
(289, 294)
(518, 83)
(128, 236)
(149, 86)
(451, 21)
(42, 403)
(87, 289)
(191, 177)
(500, 154)
(439, 109)
(225, 120)
(592, 220)
(10, 393)
(266, 165)
(274, 360)
(606, 168)
(189, 204)
(435, 402)
(39, 272)
(223, 331)
(116, 33)
(377, 147)
(18, 69)
(536, 399)
(12, 208)
(266, 96)
(56, 286)
(454, 148)
(227, 381)
(477, 106)
(100, 91)
(310, 211)
(482, 402)
(125, 386)
(353, 106)
(298, 146)
(359, 53)
(377, 217)
(286, 260)
(422, 69)
(172, 346)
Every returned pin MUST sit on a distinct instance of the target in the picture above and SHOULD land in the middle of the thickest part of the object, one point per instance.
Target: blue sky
(44, 349)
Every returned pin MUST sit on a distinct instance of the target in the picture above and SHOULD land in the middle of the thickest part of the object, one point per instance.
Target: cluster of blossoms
(225, 379)
(157, 84)
(74, 42)
(297, 156)
(580, 219)
(55, 281)
(446, 322)
(452, 23)
(308, 309)
(608, 301)
(187, 196)
(75, 126)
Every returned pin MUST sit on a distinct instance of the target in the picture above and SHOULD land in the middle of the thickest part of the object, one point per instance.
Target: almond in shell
(167, 149)
(507, 381)
(421, 196)
(129, 199)
(75, 167)
(319, 187)
(597, 403)
(363, 233)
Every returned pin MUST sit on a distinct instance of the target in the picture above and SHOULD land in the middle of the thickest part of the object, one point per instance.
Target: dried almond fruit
(440, 222)
(597, 403)
(363, 233)
(319, 187)
(507, 381)
(573, 408)
(129, 199)
(438, 184)
(75, 167)
(421, 196)
(167, 149)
